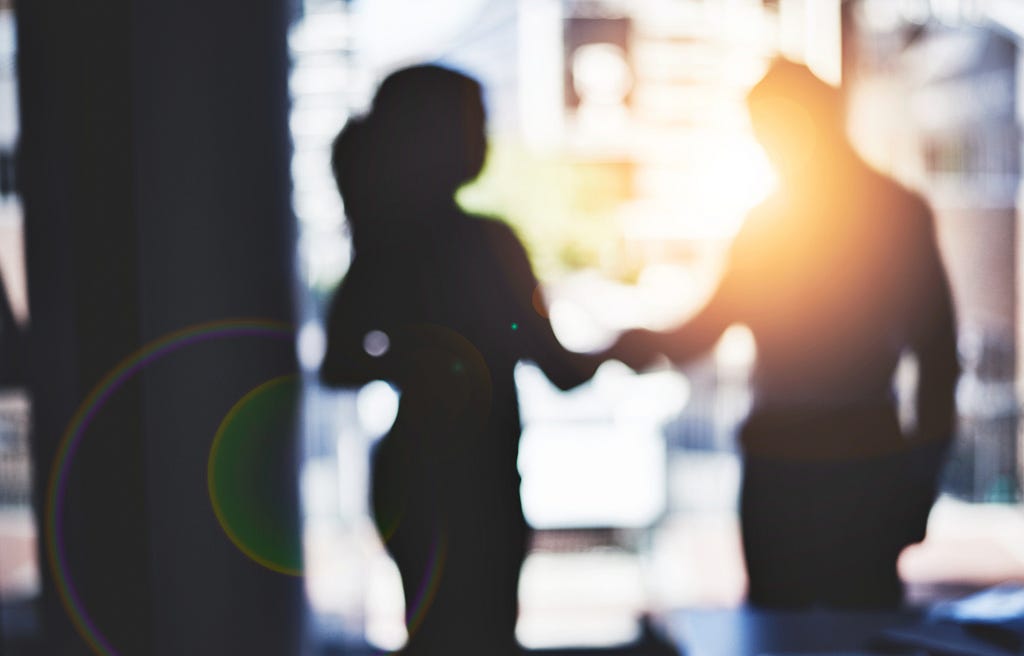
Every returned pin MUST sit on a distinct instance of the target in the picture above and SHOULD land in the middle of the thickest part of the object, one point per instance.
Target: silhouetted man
(837, 274)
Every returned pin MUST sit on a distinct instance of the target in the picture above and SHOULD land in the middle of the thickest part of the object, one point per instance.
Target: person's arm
(357, 350)
(566, 369)
(933, 340)
(640, 348)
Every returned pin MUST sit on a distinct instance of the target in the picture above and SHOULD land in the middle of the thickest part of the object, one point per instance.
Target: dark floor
(20, 625)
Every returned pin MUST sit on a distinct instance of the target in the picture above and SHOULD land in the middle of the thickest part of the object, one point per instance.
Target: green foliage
(564, 210)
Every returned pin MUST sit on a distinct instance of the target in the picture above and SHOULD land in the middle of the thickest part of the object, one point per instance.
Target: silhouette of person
(440, 303)
(836, 275)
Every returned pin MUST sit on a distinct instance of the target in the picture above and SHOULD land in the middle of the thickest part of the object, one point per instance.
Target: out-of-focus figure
(837, 275)
(441, 304)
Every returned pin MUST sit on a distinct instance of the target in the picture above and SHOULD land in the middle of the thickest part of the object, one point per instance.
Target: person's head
(423, 138)
(796, 117)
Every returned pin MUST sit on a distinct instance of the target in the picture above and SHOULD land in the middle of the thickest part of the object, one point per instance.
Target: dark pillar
(155, 173)
(216, 242)
(83, 287)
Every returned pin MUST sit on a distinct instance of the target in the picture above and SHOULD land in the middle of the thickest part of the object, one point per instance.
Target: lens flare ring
(428, 586)
(217, 471)
(85, 414)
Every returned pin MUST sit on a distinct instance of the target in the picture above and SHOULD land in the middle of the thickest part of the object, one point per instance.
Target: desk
(750, 632)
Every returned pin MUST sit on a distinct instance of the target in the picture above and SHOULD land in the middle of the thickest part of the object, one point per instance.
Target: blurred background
(621, 152)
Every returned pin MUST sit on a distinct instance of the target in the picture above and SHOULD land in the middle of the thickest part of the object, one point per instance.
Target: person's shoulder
(495, 234)
(502, 249)
(903, 199)
(909, 197)
(492, 227)
(912, 213)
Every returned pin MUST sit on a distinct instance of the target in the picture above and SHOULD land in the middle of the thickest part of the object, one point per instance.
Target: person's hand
(636, 349)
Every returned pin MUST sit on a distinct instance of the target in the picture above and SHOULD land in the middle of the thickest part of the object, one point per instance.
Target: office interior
(171, 234)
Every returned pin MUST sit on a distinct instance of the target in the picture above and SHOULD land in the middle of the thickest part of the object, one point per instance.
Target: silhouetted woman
(440, 303)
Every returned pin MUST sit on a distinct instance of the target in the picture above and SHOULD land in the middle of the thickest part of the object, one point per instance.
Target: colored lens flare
(127, 369)
(244, 475)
